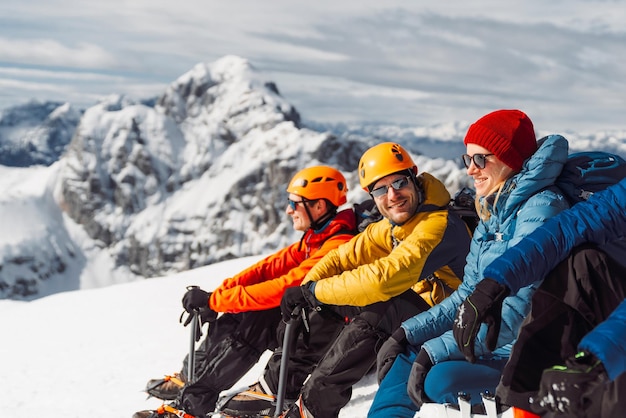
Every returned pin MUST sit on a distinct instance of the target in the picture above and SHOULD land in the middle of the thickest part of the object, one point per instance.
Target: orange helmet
(320, 182)
(381, 160)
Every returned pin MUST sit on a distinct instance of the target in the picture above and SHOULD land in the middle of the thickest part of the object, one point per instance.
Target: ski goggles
(397, 185)
(480, 160)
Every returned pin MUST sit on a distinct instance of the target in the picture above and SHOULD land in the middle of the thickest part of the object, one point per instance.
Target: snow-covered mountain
(196, 179)
(195, 176)
(149, 190)
(36, 133)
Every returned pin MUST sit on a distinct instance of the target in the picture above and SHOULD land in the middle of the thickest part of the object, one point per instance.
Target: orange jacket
(261, 285)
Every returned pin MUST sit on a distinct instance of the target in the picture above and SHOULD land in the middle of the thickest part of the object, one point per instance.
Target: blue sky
(402, 62)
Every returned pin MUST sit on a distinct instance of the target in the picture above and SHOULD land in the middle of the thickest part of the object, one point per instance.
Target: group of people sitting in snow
(530, 307)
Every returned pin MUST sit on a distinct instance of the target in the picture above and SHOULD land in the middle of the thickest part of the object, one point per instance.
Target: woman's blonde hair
(482, 207)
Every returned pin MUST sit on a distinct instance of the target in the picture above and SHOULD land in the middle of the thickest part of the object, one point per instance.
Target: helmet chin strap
(323, 220)
(320, 222)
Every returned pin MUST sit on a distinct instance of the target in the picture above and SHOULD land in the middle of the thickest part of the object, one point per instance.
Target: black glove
(419, 370)
(388, 352)
(566, 389)
(207, 315)
(483, 305)
(195, 299)
(296, 298)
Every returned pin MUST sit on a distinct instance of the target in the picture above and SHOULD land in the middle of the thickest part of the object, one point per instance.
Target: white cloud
(59, 75)
(54, 53)
(548, 58)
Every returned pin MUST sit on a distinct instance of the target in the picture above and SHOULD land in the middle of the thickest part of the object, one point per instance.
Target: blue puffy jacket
(526, 202)
(602, 221)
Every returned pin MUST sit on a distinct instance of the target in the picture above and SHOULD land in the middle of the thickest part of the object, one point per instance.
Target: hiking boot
(164, 411)
(297, 410)
(167, 388)
(153, 414)
(254, 402)
(147, 414)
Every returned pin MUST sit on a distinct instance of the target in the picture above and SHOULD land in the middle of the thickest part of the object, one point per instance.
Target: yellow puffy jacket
(428, 256)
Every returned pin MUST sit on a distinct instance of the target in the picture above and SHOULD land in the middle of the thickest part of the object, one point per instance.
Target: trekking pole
(282, 378)
(191, 360)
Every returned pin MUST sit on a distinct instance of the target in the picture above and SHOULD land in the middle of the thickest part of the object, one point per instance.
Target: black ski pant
(577, 295)
(234, 343)
(308, 346)
(337, 366)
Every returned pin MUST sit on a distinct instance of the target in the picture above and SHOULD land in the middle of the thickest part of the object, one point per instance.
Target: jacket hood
(538, 172)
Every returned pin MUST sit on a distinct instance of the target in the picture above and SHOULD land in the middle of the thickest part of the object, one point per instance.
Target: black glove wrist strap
(424, 359)
(399, 335)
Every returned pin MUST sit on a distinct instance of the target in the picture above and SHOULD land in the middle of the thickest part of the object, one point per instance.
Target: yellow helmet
(320, 182)
(381, 160)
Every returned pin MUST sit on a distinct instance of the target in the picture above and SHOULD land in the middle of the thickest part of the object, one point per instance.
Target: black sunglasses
(294, 204)
(480, 160)
(397, 185)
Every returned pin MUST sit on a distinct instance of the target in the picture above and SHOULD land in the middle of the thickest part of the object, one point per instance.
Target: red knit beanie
(509, 134)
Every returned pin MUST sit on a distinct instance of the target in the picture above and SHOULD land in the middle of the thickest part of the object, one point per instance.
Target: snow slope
(89, 353)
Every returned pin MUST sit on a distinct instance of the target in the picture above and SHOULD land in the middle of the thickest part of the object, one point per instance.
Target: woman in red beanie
(513, 174)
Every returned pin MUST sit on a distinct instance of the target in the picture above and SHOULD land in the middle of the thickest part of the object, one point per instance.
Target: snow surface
(89, 353)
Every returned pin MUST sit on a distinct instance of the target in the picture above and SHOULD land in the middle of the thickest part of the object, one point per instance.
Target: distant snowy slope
(36, 133)
(33, 238)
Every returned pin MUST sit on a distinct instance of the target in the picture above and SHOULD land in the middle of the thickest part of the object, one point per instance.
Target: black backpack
(366, 213)
(588, 172)
(462, 204)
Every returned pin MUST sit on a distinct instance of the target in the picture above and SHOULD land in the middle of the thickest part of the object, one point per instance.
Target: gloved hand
(419, 370)
(207, 315)
(566, 389)
(388, 352)
(297, 297)
(196, 302)
(483, 305)
(204, 315)
(195, 299)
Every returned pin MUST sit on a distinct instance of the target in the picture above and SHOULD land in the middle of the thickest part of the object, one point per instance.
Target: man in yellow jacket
(394, 269)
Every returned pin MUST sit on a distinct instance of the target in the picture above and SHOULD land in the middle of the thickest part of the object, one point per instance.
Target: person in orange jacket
(250, 301)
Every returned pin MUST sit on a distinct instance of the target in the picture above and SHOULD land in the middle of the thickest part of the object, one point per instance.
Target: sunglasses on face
(480, 160)
(293, 204)
(397, 185)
